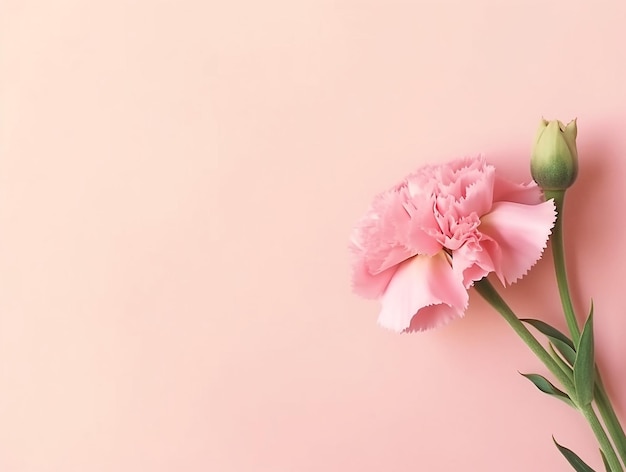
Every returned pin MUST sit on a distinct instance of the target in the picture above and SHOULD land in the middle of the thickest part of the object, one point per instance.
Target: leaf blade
(565, 367)
(584, 365)
(561, 342)
(548, 330)
(576, 462)
(568, 352)
(546, 386)
(605, 462)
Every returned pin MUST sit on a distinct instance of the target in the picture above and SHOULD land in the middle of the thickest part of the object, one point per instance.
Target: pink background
(178, 180)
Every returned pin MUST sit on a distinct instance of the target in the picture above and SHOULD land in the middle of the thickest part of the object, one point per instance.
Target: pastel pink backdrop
(178, 180)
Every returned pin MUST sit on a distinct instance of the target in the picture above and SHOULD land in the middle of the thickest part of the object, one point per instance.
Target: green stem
(610, 418)
(603, 402)
(602, 438)
(558, 253)
(489, 293)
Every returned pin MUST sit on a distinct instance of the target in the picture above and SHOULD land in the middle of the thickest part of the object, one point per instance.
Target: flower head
(424, 242)
(554, 160)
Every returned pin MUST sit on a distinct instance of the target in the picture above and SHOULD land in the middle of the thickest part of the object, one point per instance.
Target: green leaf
(561, 342)
(567, 369)
(566, 350)
(575, 461)
(548, 330)
(584, 365)
(605, 462)
(545, 386)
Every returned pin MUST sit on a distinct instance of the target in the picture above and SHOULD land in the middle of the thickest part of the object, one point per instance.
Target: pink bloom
(423, 243)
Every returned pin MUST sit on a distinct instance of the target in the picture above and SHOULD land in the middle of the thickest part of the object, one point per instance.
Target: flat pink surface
(177, 185)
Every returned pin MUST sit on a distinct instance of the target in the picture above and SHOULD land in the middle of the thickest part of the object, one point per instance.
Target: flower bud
(554, 159)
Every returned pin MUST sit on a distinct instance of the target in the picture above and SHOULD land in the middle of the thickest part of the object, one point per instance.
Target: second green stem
(558, 252)
(491, 295)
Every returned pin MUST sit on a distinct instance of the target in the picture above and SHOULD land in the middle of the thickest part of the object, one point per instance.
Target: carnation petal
(521, 232)
(433, 316)
(478, 194)
(420, 282)
(506, 191)
(364, 283)
(476, 260)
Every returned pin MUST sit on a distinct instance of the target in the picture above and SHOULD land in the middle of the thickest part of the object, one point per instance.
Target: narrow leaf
(561, 342)
(576, 462)
(548, 330)
(545, 386)
(584, 365)
(605, 462)
(568, 352)
(567, 369)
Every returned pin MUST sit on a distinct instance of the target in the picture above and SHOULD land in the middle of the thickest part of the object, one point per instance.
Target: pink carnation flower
(423, 243)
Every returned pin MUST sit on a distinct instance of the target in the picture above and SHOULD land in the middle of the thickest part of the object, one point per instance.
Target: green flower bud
(554, 160)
